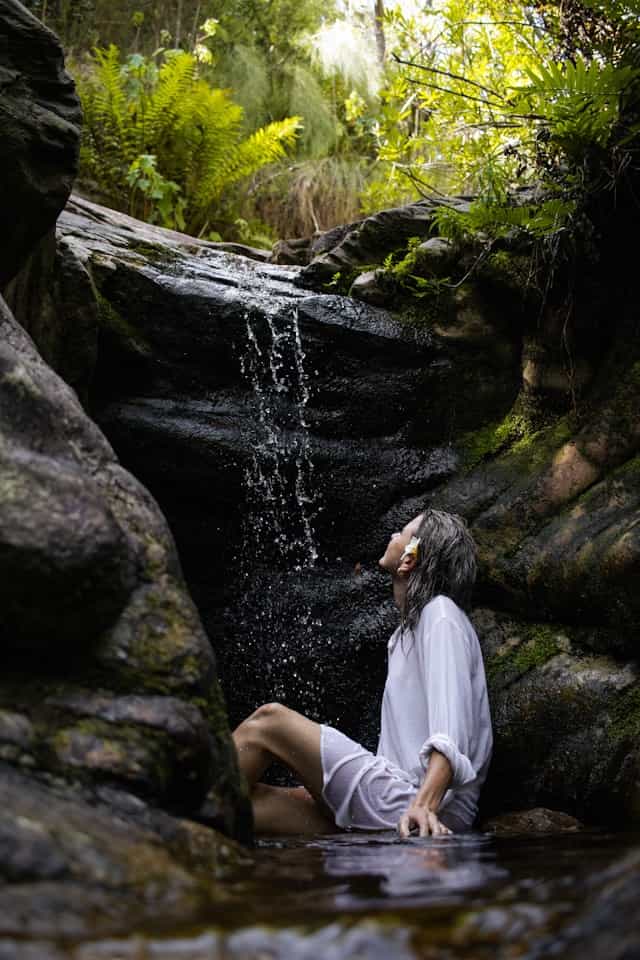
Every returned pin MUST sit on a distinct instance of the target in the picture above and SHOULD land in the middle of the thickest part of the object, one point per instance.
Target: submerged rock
(539, 820)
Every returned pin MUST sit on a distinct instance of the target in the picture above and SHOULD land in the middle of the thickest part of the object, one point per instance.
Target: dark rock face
(185, 417)
(60, 541)
(40, 119)
(385, 404)
(368, 241)
(92, 583)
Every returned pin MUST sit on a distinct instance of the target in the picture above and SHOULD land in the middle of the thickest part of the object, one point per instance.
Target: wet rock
(40, 118)
(88, 543)
(67, 336)
(535, 821)
(61, 544)
(367, 287)
(71, 869)
(564, 722)
(371, 239)
(608, 926)
(435, 255)
(294, 252)
(554, 515)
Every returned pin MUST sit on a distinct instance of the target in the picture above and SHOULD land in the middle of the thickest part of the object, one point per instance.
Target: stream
(373, 897)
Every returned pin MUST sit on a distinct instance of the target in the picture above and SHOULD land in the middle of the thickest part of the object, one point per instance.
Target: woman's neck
(399, 593)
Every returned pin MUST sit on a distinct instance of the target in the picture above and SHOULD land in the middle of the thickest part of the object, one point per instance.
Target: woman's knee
(269, 713)
(263, 723)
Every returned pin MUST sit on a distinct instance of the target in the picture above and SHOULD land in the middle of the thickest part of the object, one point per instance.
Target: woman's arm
(422, 814)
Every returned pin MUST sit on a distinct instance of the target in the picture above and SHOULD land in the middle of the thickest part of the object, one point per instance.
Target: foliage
(496, 220)
(158, 135)
(301, 198)
(480, 101)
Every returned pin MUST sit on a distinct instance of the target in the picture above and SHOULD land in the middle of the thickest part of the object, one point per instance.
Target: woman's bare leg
(275, 732)
(287, 810)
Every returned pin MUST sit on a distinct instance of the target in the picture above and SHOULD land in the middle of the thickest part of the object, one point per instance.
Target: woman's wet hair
(446, 564)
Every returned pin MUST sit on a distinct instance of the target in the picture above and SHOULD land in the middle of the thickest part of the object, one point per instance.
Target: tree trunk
(178, 23)
(379, 29)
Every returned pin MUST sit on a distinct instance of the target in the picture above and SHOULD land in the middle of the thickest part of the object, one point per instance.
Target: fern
(166, 141)
(578, 102)
(175, 81)
(491, 220)
(266, 145)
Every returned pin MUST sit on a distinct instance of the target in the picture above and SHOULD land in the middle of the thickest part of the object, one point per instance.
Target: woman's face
(390, 560)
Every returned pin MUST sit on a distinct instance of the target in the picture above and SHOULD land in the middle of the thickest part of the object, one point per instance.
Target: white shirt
(435, 698)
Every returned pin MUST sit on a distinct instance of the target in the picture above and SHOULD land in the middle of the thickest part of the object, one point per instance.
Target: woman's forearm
(435, 784)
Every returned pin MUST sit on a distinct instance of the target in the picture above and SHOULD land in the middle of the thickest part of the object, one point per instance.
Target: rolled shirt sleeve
(447, 664)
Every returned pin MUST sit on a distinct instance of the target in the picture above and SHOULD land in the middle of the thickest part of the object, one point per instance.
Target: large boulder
(97, 864)
(40, 119)
(92, 584)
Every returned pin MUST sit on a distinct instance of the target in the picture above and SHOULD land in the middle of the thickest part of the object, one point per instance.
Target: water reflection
(425, 868)
(376, 867)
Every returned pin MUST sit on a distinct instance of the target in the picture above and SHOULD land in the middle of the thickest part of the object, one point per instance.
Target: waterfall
(280, 495)
(273, 615)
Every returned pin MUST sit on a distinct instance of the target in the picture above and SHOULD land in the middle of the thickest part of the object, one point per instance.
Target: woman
(435, 742)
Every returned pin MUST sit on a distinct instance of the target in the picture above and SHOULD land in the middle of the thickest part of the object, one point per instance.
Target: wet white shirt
(435, 698)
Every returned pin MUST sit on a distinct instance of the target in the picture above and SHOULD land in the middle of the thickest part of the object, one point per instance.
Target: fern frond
(266, 145)
(165, 105)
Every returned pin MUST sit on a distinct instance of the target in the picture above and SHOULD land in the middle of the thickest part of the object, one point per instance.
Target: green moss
(342, 280)
(152, 251)
(509, 269)
(403, 273)
(522, 433)
(625, 716)
(109, 317)
(630, 469)
(494, 437)
(539, 643)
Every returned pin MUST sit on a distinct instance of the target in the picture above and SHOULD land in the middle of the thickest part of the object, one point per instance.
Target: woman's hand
(425, 820)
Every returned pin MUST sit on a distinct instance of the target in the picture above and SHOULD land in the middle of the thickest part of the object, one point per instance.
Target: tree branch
(446, 73)
(454, 93)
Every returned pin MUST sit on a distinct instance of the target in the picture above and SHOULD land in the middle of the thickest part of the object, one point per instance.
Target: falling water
(273, 616)
(281, 499)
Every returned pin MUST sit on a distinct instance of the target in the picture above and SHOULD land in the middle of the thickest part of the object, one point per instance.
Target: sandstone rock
(536, 821)
(40, 120)
(554, 515)
(565, 722)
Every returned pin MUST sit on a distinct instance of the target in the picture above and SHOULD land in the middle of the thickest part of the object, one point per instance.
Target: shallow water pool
(370, 896)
